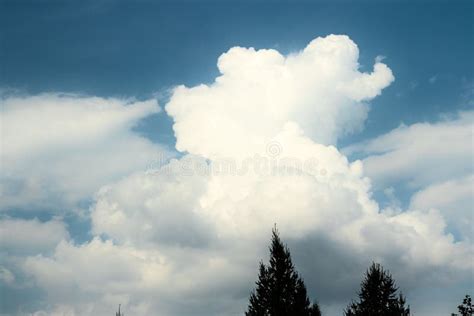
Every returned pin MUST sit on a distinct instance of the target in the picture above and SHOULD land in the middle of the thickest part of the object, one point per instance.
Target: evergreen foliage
(279, 290)
(378, 296)
(466, 308)
(119, 313)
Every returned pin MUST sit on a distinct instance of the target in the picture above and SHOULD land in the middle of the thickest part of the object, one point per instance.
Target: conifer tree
(378, 296)
(314, 310)
(279, 290)
(466, 308)
(119, 313)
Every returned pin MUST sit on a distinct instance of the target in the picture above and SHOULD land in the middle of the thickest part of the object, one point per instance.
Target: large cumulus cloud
(259, 91)
(185, 239)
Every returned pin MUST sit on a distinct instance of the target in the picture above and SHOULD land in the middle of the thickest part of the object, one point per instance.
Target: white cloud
(94, 278)
(208, 250)
(188, 231)
(20, 238)
(259, 91)
(152, 208)
(6, 276)
(420, 154)
(26, 237)
(58, 149)
(455, 199)
(434, 159)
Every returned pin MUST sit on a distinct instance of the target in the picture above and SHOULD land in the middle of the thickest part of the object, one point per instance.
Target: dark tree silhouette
(466, 308)
(378, 296)
(119, 313)
(279, 290)
(314, 310)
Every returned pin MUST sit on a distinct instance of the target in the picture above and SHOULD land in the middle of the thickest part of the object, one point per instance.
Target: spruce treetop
(378, 296)
(280, 291)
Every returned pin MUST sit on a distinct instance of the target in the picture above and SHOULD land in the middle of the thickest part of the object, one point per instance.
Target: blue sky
(109, 48)
(89, 104)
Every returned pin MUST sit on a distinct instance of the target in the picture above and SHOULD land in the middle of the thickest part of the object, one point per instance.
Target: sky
(148, 148)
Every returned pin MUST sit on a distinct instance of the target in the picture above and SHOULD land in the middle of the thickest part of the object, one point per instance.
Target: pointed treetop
(378, 295)
(280, 290)
(119, 313)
